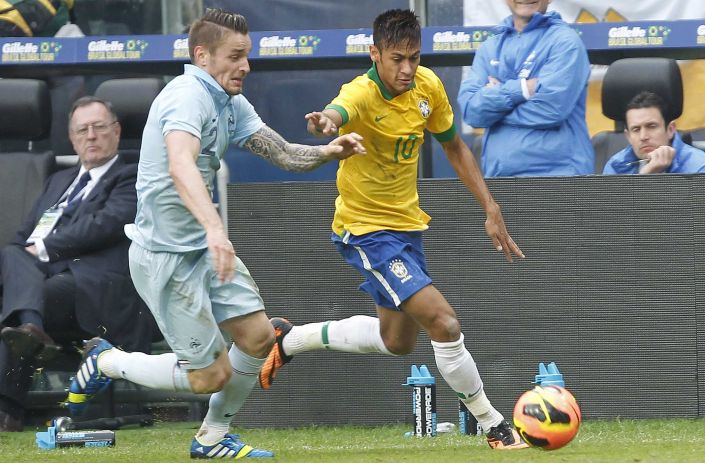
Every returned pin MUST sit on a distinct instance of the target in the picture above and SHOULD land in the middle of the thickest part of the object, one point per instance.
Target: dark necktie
(73, 200)
(82, 182)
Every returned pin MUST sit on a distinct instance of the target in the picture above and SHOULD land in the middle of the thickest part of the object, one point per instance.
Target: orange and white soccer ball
(547, 417)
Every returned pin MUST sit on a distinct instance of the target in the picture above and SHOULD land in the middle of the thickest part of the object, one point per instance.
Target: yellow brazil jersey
(377, 190)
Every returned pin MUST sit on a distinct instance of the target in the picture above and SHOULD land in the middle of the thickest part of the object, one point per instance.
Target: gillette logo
(451, 37)
(359, 39)
(276, 41)
(626, 32)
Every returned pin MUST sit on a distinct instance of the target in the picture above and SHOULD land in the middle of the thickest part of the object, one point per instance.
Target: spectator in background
(527, 89)
(66, 275)
(655, 146)
(34, 18)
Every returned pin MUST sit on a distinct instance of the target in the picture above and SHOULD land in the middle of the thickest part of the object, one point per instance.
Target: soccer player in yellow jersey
(378, 222)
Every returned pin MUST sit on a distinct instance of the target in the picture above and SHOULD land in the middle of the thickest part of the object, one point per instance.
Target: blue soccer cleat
(229, 447)
(88, 380)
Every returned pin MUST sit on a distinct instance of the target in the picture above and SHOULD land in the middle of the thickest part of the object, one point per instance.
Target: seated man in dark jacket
(65, 277)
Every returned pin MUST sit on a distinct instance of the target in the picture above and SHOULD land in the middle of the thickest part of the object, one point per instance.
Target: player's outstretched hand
(497, 231)
(320, 125)
(345, 146)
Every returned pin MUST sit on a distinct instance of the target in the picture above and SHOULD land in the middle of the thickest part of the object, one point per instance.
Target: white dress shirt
(96, 173)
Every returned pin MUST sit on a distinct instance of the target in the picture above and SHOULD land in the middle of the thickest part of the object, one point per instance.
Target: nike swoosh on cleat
(229, 415)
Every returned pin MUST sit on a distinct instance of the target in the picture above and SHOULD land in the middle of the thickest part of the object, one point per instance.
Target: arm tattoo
(269, 145)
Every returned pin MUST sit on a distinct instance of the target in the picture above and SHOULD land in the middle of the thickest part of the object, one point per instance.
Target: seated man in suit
(65, 277)
(655, 145)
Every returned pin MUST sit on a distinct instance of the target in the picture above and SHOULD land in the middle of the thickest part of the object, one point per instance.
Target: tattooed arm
(269, 145)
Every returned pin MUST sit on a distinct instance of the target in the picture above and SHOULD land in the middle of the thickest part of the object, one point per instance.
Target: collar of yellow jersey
(374, 77)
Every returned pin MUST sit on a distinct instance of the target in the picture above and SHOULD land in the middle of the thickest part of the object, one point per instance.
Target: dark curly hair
(394, 27)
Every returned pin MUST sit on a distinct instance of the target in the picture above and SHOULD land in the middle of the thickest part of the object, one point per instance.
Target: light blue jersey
(195, 103)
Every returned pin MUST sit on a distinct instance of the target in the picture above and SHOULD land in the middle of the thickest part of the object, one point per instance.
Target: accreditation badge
(46, 224)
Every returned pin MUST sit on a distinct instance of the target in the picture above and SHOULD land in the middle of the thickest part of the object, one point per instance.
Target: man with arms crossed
(378, 222)
(181, 261)
(527, 89)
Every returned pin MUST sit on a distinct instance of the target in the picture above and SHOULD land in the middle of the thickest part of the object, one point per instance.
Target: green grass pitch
(628, 441)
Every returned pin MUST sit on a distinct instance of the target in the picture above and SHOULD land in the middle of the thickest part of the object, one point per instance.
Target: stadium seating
(623, 80)
(25, 117)
(697, 137)
(131, 99)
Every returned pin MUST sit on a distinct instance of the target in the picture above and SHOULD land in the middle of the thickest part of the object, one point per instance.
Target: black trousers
(48, 289)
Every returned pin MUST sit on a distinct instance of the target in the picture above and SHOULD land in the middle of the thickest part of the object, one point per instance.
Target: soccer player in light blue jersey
(181, 260)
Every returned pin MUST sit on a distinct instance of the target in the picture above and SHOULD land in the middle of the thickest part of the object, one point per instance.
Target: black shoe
(10, 422)
(30, 342)
(505, 437)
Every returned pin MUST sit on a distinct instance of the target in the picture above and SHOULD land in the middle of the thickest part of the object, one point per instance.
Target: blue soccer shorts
(189, 302)
(392, 262)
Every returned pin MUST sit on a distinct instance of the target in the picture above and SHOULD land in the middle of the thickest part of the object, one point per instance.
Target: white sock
(490, 417)
(358, 334)
(228, 401)
(460, 372)
(154, 371)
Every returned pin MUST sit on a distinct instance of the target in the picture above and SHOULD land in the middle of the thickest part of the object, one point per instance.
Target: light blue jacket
(687, 160)
(546, 134)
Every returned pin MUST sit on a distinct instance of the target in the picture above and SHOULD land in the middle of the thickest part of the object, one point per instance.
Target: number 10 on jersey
(405, 147)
